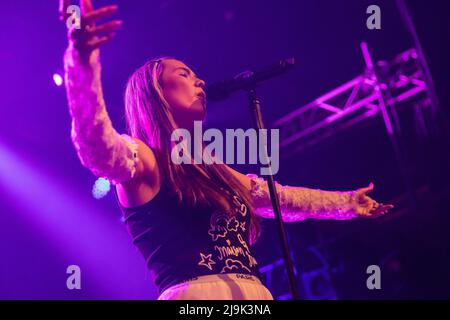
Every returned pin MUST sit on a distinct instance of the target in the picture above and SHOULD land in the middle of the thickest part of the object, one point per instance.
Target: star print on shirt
(206, 261)
(233, 224)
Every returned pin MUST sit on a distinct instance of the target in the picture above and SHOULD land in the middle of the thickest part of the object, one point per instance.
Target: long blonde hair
(148, 118)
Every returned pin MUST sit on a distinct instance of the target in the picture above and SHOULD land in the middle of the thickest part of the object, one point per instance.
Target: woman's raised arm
(99, 146)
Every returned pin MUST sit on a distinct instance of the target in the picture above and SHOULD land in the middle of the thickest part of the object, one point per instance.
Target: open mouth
(202, 95)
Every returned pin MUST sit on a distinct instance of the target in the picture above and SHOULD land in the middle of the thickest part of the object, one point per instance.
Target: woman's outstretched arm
(99, 146)
(299, 203)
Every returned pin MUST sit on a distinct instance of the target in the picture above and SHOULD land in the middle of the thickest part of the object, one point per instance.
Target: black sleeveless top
(180, 242)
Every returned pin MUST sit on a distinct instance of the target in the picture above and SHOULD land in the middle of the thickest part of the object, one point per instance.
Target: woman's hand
(367, 207)
(91, 36)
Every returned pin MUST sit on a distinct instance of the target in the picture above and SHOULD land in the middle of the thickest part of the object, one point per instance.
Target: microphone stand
(255, 108)
(247, 81)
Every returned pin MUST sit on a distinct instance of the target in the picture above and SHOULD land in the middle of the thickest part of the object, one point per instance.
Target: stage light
(101, 188)
(57, 79)
(75, 228)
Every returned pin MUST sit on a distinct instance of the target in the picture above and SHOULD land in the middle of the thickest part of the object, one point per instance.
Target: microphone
(247, 80)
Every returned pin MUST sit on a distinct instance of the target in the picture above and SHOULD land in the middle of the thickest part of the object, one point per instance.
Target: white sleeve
(99, 146)
(298, 203)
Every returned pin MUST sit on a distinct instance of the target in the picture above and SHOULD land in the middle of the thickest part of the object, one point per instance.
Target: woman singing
(193, 223)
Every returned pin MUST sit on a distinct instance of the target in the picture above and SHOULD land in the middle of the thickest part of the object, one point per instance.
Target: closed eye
(184, 75)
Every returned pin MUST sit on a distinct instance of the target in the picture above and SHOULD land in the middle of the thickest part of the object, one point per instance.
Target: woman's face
(184, 92)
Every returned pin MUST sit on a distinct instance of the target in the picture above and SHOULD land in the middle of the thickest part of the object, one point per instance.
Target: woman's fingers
(91, 36)
(86, 6)
(92, 16)
(63, 5)
(372, 209)
(367, 189)
(382, 209)
(107, 27)
(97, 42)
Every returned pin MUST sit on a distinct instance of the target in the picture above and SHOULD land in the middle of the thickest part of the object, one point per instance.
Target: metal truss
(274, 276)
(359, 99)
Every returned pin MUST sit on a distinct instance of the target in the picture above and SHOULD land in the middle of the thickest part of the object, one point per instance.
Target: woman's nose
(200, 83)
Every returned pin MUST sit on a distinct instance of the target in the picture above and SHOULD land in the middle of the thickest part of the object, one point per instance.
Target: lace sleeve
(99, 146)
(298, 203)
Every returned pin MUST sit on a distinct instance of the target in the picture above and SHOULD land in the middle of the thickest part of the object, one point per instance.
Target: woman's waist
(227, 277)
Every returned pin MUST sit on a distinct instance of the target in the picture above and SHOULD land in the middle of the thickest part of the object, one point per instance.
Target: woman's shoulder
(146, 182)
